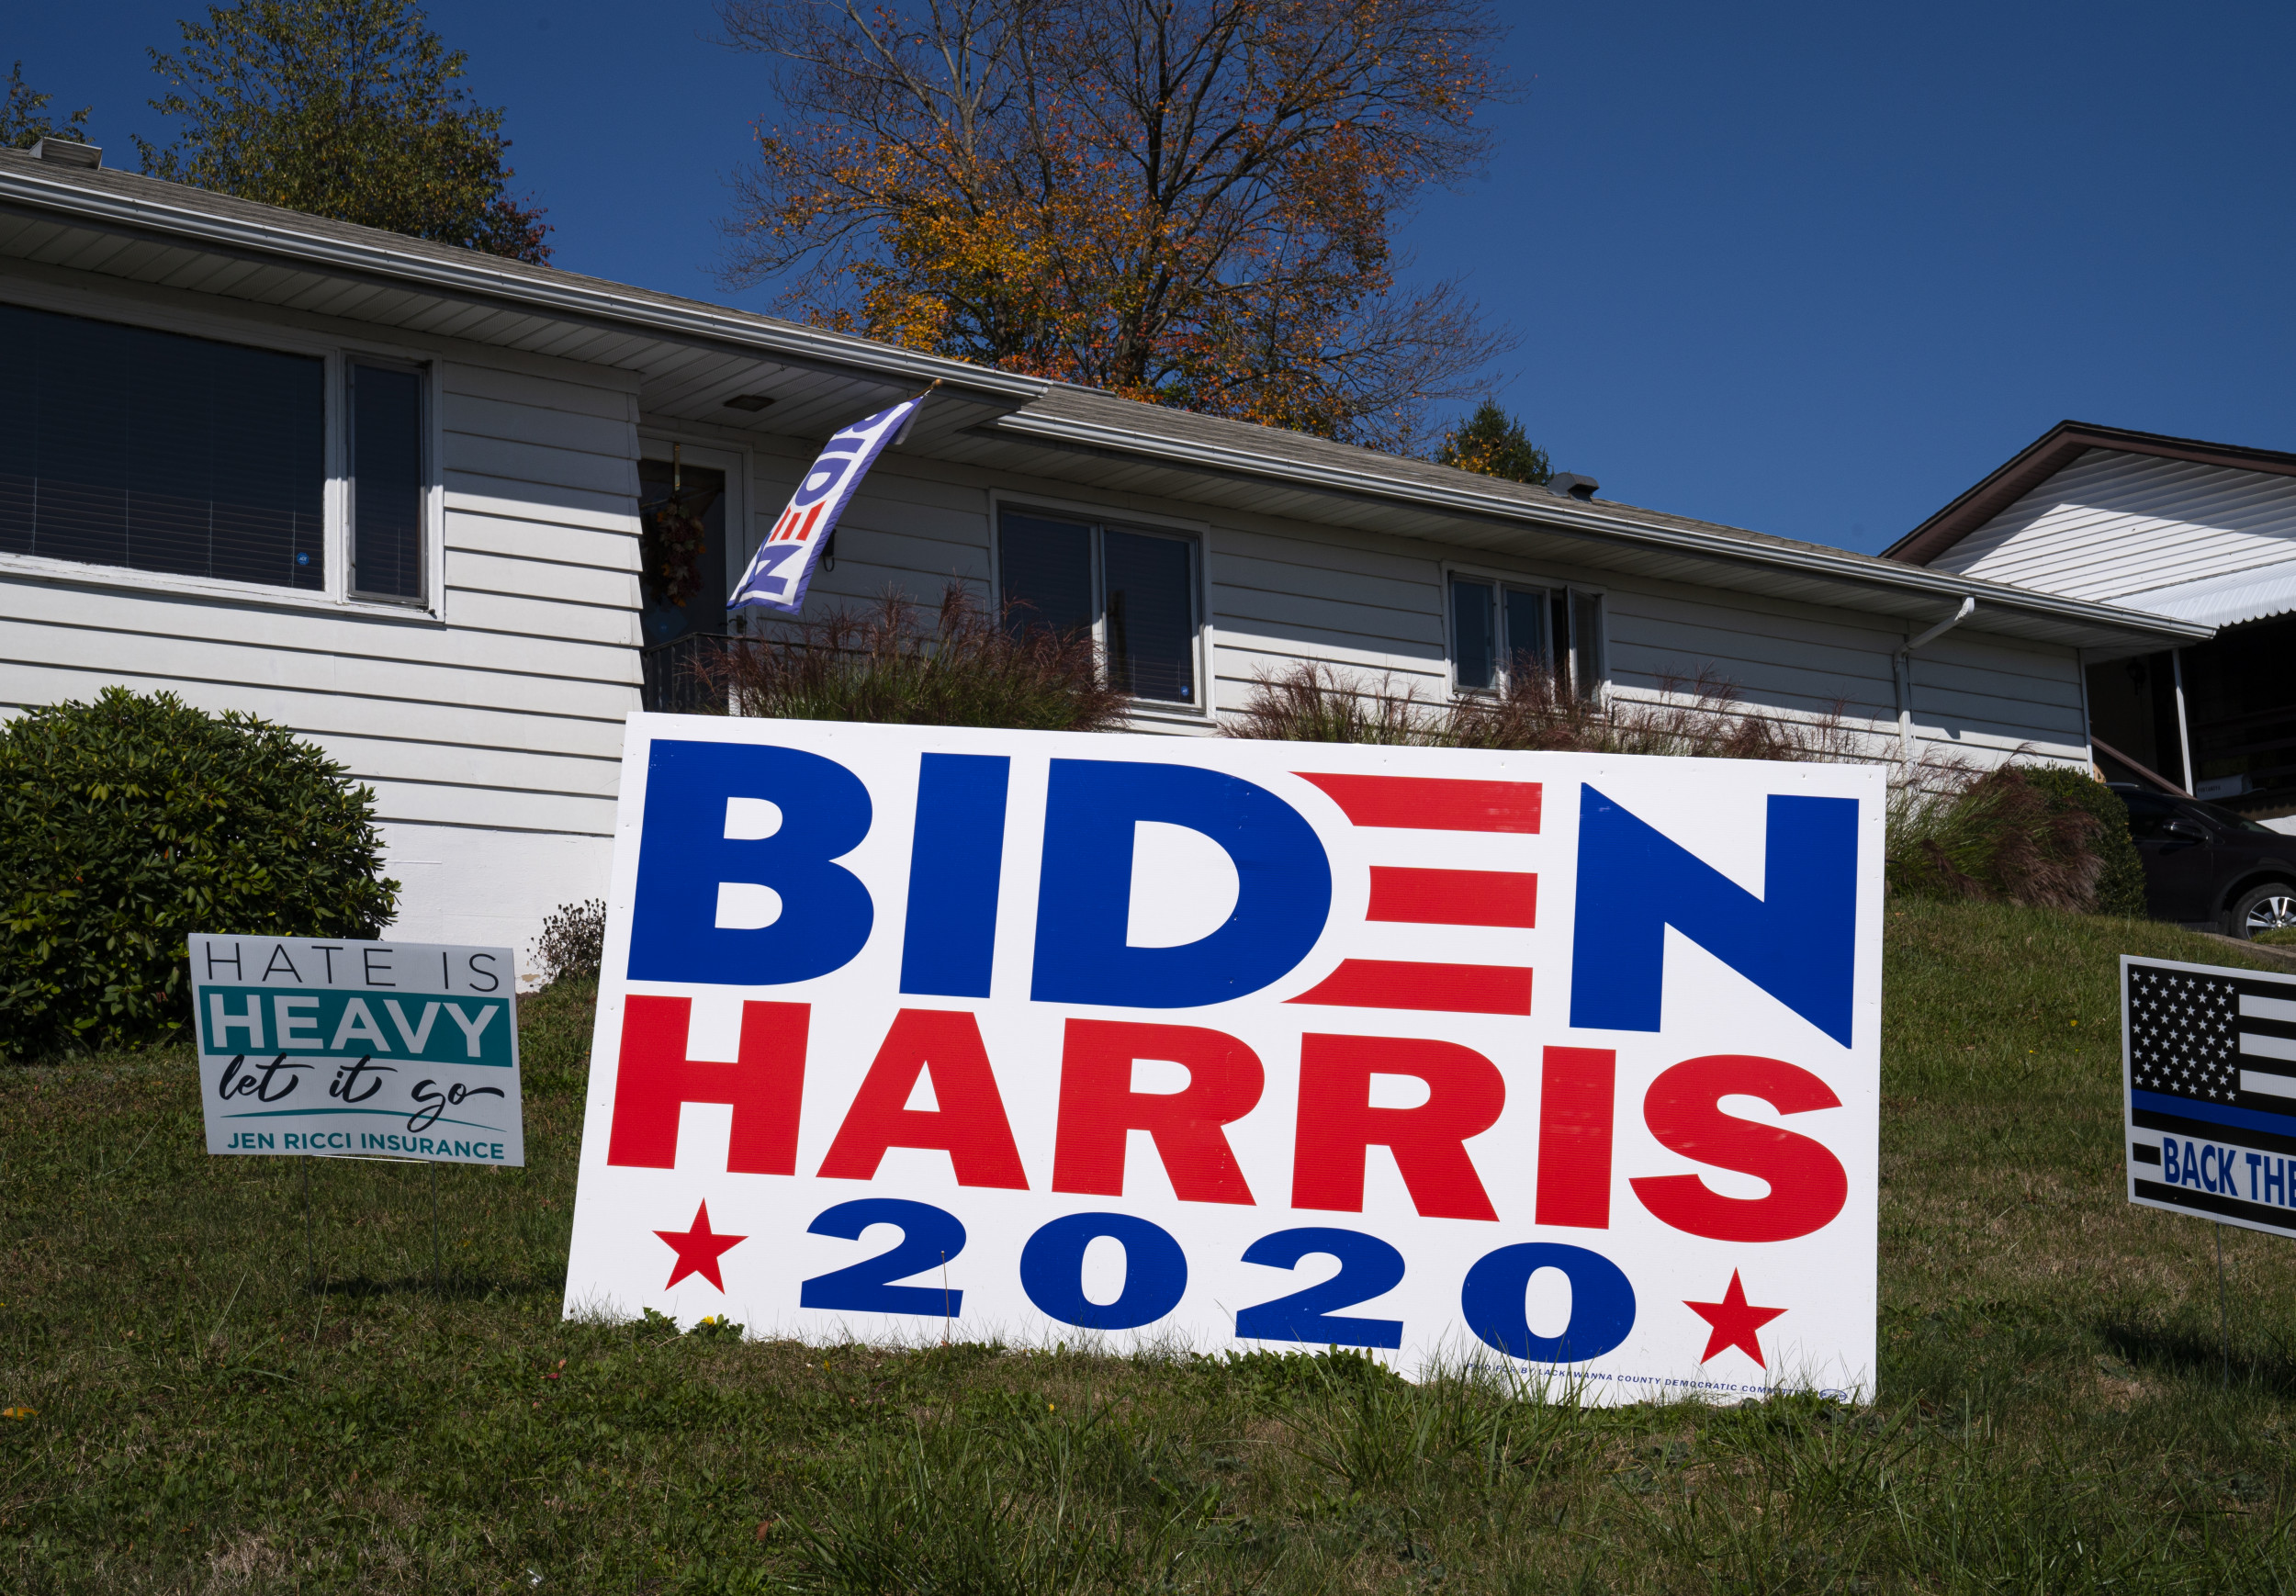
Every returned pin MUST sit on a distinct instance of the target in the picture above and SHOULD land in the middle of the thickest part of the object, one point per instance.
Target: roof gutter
(562, 293)
(1595, 520)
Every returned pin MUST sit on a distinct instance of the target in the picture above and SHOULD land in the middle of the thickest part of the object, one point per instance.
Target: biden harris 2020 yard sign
(911, 1032)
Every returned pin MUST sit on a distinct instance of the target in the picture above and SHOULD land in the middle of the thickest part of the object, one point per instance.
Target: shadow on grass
(2202, 1356)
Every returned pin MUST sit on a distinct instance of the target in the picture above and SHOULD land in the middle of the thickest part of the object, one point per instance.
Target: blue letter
(685, 855)
(1084, 894)
(1053, 1263)
(949, 941)
(1601, 1302)
(1797, 942)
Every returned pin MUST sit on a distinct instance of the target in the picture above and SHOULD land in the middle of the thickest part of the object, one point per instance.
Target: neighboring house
(2188, 531)
(388, 493)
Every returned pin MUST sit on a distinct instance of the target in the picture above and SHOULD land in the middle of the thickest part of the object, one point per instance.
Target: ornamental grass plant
(898, 662)
(2020, 833)
(1697, 716)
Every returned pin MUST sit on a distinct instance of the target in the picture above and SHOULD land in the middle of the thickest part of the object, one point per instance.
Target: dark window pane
(1586, 644)
(1152, 616)
(125, 446)
(1527, 652)
(385, 482)
(1045, 570)
(1474, 650)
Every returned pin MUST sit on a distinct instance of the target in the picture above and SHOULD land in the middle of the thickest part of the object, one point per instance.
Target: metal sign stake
(2223, 1313)
(311, 1265)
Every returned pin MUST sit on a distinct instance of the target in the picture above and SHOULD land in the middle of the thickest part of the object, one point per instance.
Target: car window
(2149, 814)
(2226, 820)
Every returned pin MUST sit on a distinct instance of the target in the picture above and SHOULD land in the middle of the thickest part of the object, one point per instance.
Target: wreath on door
(672, 539)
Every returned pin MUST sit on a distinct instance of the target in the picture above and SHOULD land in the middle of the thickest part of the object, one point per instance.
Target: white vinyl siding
(1283, 593)
(2113, 524)
(505, 715)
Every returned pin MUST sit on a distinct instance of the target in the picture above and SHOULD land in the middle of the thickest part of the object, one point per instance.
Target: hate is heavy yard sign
(343, 1049)
(908, 1032)
(2209, 1091)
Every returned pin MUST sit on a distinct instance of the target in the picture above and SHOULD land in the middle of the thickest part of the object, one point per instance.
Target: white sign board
(312, 1048)
(908, 1032)
(2208, 1072)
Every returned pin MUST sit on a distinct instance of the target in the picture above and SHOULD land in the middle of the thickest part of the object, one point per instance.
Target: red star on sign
(1735, 1321)
(699, 1249)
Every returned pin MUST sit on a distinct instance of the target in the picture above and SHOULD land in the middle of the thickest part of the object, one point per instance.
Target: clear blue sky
(1812, 269)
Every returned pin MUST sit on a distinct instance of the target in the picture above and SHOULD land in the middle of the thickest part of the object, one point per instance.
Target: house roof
(2051, 453)
(688, 356)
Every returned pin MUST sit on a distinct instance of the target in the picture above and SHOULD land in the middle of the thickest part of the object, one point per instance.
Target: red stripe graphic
(1433, 802)
(1443, 988)
(1454, 897)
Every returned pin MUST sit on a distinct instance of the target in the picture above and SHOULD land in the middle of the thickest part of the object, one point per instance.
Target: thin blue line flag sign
(782, 567)
(2209, 1085)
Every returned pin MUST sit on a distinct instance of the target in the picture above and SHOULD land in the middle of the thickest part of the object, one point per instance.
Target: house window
(385, 499)
(158, 452)
(1133, 591)
(1501, 631)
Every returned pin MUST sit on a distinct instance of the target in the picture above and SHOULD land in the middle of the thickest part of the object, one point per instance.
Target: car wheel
(2271, 907)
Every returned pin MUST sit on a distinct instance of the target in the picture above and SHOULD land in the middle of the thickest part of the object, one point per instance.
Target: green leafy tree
(24, 115)
(343, 109)
(1492, 442)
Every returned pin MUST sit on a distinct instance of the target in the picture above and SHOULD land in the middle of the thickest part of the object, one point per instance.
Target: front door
(688, 495)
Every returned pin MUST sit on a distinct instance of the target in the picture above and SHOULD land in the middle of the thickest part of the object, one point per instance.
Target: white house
(388, 493)
(2185, 530)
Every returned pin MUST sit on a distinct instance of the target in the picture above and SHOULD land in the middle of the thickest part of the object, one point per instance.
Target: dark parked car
(2207, 867)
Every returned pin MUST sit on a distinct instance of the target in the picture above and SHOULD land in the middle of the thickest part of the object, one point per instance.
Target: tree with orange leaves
(1184, 201)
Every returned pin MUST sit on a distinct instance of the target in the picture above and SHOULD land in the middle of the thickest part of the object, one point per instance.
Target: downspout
(2184, 729)
(1902, 668)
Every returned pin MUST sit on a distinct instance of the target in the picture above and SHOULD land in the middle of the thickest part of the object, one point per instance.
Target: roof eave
(481, 278)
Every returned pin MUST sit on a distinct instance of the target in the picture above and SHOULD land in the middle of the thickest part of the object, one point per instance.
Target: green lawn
(2054, 1417)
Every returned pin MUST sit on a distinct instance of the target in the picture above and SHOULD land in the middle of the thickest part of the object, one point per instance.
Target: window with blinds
(156, 451)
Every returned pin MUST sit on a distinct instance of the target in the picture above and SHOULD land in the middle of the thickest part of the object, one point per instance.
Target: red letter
(1338, 1125)
(1577, 1087)
(970, 1124)
(1099, 1106)
(655, 1080)
(1684, 1110)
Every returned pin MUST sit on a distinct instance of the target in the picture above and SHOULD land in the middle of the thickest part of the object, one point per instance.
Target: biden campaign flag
(1564, 1061)
(781, 570)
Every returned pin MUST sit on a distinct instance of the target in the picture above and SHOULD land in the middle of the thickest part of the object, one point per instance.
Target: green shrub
(2120, 883)
(2015, 834)
(126, 823)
